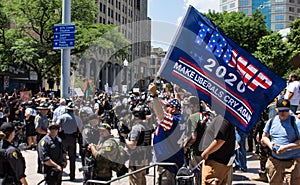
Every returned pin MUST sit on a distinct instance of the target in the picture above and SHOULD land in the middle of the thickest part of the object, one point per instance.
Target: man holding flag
(169, 135)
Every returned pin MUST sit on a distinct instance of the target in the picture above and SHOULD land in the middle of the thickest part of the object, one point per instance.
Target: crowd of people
(164, 124)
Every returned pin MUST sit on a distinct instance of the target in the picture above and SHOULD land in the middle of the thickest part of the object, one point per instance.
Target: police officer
(105, 153)
(70, 126)
(41, 125)
(90, 134)
(138, 142)
(12, 163)
(52, 155)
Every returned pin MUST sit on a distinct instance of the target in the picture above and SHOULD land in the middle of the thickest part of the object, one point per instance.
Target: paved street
(34, 178)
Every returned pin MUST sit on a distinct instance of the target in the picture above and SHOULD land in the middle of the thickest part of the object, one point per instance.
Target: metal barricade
(136, 171)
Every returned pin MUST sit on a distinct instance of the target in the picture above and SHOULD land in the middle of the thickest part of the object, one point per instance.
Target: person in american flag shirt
(169, 135)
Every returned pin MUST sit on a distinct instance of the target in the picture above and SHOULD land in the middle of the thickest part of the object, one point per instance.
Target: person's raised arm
(157, 106)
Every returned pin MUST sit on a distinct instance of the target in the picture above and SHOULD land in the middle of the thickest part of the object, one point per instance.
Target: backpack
(201, 127)
(292, 123)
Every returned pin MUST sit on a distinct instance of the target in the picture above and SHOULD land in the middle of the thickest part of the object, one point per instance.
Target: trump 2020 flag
(211, 66)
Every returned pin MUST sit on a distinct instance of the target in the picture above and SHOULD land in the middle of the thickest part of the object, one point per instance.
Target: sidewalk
(34, 178)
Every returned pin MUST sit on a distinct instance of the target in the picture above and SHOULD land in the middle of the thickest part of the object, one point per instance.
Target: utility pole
(65, 53)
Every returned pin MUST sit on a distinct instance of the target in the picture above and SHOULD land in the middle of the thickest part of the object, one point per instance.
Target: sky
(166, 15)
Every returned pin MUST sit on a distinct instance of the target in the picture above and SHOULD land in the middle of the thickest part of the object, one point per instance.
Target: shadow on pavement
(237, 177)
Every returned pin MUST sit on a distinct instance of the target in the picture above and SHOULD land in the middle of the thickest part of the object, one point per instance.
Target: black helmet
(43, 106)
(71, 106)
(140, 111)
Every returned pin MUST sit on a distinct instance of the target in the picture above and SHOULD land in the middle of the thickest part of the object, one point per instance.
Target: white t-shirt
(295, 88)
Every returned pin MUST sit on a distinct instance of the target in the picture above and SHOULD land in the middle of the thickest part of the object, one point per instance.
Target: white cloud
(203, 5)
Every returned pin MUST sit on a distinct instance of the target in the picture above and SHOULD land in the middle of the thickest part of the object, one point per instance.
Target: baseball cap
(175, 103)
(104, 126)
(283, 104)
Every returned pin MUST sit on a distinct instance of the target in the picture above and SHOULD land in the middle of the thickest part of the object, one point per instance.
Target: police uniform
(69, 128)
(106, 154)
(90, 134)
(12, 163)
(41, 121)
(51, 148)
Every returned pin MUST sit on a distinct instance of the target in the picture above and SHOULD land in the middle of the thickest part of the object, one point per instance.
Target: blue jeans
(240, 159)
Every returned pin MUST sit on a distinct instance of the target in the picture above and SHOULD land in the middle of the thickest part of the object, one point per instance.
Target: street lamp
(125, 64)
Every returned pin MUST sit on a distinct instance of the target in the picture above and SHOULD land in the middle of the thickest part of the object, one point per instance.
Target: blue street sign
(64, 36)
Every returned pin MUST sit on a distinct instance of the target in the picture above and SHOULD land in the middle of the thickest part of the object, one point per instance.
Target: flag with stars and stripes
(204, 61)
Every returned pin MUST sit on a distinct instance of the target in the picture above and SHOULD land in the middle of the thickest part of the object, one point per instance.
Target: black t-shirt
(221, 129)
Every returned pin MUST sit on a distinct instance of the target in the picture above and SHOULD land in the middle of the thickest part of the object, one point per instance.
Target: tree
(275, 53)
(244, 30)
(31, 36)
(294, 36)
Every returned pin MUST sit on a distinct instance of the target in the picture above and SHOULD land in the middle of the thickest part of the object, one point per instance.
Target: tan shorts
(212, 170)
(278, 170)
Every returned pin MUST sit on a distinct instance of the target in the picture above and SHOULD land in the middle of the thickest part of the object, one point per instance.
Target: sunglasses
(283, 110)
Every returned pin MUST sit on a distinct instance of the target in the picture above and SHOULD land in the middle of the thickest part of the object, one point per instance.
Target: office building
(279, 13)
(132, 20)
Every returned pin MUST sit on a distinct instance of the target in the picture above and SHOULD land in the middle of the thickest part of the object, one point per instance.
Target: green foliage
(244, 30)
(294, 36)
(30, 40)
(274, 53)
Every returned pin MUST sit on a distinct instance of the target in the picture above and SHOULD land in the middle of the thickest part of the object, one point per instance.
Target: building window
(244, 3)
(108, 12)
(232, 5)
(246, 11)
(279, 26)
(291, 9)
(224, 8)
(112, 14)
(291, 18)
(279, 17)
(100, 8)
(298, 10)
(278, 1)
(224, 1)
(279, 9)
(104, 8)
(292, 1)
